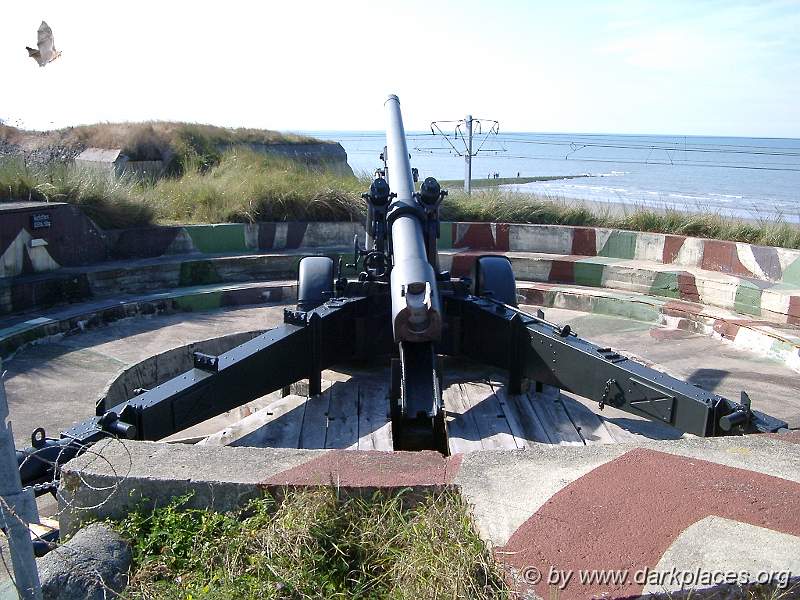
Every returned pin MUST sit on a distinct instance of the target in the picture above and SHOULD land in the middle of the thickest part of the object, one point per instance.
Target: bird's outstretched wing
(36, 55)
(45, 42)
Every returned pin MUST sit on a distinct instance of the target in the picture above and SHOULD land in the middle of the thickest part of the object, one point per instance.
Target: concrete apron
(653, 514)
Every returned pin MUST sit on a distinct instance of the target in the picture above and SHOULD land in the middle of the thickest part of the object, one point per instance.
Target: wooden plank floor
(353, 413)
(350, 413)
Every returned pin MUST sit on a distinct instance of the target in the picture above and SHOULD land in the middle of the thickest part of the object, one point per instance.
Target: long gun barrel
(416, 310)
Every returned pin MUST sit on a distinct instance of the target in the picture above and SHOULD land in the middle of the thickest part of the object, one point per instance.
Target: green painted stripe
(666, 284)
(589, 274)
(620, 244)
(445, 241)
(207, 301)
(791, 274)
(748, 299)
(630, 310)
(198, 272)
(214, 239)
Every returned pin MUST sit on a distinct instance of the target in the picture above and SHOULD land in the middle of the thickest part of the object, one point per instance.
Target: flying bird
(47, 51)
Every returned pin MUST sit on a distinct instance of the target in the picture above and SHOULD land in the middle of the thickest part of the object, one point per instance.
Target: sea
(754, 178)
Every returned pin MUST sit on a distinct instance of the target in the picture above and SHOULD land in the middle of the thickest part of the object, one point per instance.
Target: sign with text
(41, 221)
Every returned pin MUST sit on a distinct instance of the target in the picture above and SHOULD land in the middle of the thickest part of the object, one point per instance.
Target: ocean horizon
(754, 178)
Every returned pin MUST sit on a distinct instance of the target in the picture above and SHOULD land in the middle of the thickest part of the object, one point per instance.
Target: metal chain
(606, 392)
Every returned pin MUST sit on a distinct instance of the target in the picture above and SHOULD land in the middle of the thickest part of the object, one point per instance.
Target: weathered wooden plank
(555, 419)
(462, 431)
(275, 426)
(591, 428)
(343, 416)
(374, 423)
(192, 434)
(522, 419)
(489, 416)
(283, 431)
(315, 421)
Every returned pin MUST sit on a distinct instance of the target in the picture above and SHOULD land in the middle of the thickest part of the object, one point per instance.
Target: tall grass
(249, 187)
(245, 186)
(139, 140)
(111, 203)
(313, 544)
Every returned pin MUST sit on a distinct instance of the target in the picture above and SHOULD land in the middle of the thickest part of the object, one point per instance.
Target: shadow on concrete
(709, 379)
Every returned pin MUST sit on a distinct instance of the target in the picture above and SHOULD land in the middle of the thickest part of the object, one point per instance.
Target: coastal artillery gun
(403, 307)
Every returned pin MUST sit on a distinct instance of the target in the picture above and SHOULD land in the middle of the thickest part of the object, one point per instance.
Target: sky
(665, 67)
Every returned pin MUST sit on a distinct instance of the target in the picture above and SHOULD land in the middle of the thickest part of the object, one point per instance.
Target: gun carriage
(401, 306)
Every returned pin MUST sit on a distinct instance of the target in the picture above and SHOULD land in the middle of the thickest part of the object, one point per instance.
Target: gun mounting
(402, 307)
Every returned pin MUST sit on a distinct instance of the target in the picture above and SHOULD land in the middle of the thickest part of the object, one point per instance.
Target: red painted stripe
(584, 241)
(371, 468)
(678, 308)
(794, 310)
(790, 437)
(687, 287)
(727, 329)
(626, 514)
(672, 245)
(562, 269)
(723, 256)
(502, 241)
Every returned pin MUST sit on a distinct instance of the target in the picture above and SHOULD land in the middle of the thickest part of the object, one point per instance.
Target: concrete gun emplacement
(398, 306)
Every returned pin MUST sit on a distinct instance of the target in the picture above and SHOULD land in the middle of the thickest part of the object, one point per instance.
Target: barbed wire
(72, 505)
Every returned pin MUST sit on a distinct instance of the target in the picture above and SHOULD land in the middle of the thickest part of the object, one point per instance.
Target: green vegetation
(313, 544)
(111, 203)
(244, 186)
(152, 140)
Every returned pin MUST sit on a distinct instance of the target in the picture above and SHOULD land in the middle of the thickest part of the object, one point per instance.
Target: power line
(639, 162)
(654, 139)
(463, 130)
(672, 148)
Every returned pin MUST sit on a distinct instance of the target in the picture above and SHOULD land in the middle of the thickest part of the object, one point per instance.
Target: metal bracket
(295, 317)
(659, 405)
(205, 362)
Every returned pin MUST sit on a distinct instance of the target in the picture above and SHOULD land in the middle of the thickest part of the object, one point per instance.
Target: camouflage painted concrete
(38, 236)
(757, 287)
(780, 342)
(755, 280)
(16, 333)
(141, 260)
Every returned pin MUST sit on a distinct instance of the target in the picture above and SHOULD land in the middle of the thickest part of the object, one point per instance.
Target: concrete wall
(155, 370)
(754, 280)
(38, 236)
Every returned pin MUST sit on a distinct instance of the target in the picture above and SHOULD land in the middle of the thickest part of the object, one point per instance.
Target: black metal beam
(528, 346)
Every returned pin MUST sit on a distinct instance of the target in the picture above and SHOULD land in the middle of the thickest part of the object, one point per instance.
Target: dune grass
(147, 140)
(249, 187)
(110, 203)
(313, 544)
(244, 186)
